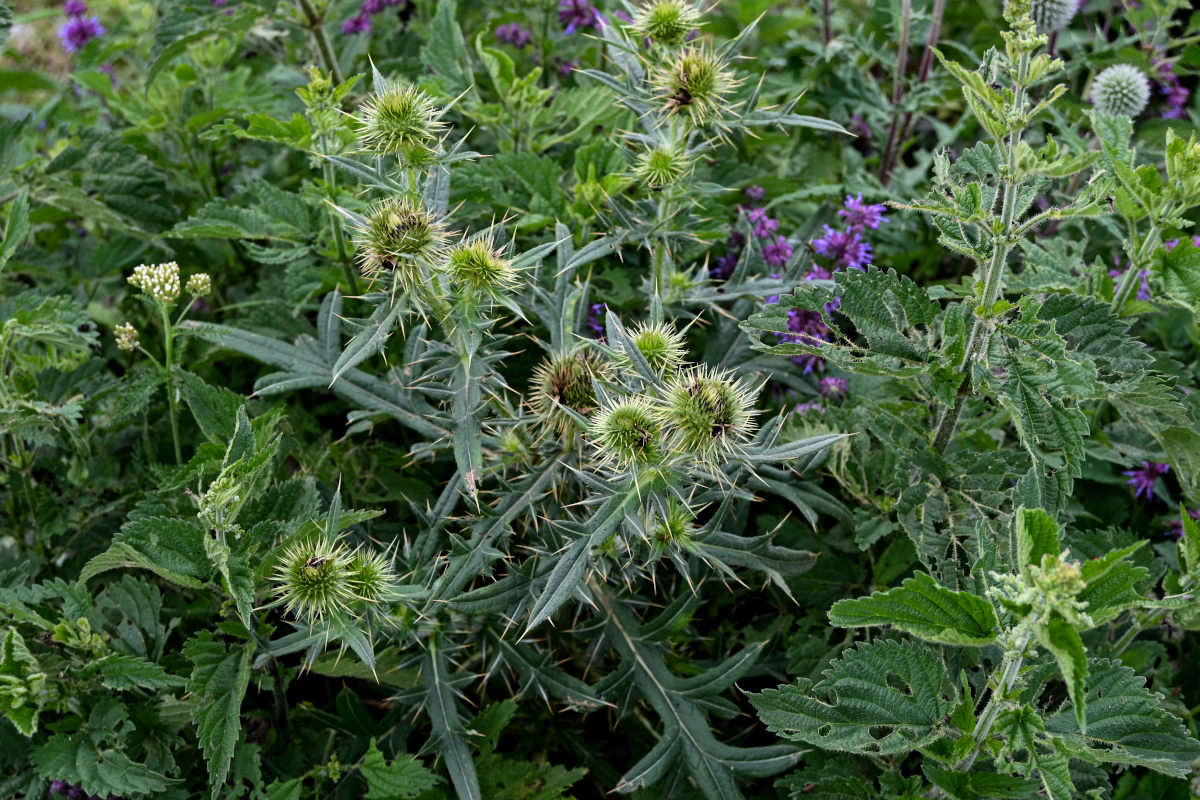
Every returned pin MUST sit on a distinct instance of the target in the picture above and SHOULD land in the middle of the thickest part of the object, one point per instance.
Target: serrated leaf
(171, 548)
(1063, 641)
(404, 777)
(121, 671)
(923, 608)
(219, 680)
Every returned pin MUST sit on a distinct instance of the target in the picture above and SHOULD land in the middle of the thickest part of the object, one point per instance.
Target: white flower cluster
(160, 281)
(200, 283)
(127, 337)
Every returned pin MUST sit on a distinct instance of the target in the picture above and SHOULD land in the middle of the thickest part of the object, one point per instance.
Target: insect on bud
(695, 82)
(709, 413)
(1121, 90)
(627, 433)
(314, 579)
(403, 120)
(398, 233)
(667, 22)
(565, 380)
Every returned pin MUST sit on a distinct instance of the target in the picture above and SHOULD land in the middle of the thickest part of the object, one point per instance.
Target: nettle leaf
(404, 777)
(218, 683)
(979, 785)
(121, 671)
(22, 683)
(1064, 643)
(1025, 739)
(171, 548)
(1037, 536)
(1178, 270)
(923, 608)
(879, 698)
(883, 325)
(1126, 724)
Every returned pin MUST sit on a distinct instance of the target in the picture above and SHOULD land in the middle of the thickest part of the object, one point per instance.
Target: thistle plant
(1121, 90)
(667, 22)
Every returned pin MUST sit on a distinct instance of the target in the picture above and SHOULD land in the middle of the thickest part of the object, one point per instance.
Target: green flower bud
(676, 529)
(627, 433)
(565, 380)
(663, 164)
(666, 21)
(695, 83)
(661, 346)
(127, 337)
(371, 577)
(477, 266)
(314, 580)
(397, 234)
(159, 281)
(403, 120)
(1053, 15)
(199, 284)
(709, 413)
(1121, 90)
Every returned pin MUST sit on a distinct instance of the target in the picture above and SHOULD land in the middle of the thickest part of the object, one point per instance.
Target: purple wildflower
(726, 264)
(755, 194)
(1176, 531)
(359, 23)
(78, 31)
(595, 320)
(74, 8)
(1171, 88)
(777, 253)
(803, 408)
(817, 273)
(832, 387)
(515, 34)
(862, 215)
(623, 16)
(847, 248)
(1143, 479)
(764, 226)
(566, 67)
(576, 14)
(372, 7)
(806, 327)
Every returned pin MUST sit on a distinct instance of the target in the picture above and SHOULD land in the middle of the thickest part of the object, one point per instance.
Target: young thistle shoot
(667, 22)
(315, 579)
(660, 344)
(695, 83)
(627, 433)
(665, 163)
(403, 120)
(399, 234)
(709, 413)
(566, 380)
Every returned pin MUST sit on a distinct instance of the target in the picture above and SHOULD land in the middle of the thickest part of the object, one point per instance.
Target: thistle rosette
(668, 22)
(402, 120)
(565, 380)
(395, 238)
(695, 83)
(708, 413)
(627, 433)
(1121, 90)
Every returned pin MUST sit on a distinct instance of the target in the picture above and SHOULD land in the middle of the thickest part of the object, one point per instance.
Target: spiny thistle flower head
(1053, 15)
(477, 266)
(200, 283)
(667, 22)
(1121, 90)
(397, 233)
(401, 119)
(663, 164)
(696, 83)
(660, 344)
(676, 529)
(566, 379)
(709, 413)
(371, 576)
(314, 579)
(159, 281)
(127, 337)
(627, 433)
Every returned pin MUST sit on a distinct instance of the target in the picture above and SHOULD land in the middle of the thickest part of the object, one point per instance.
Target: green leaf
(445, 51)
(923, 608)
(173, 549)
(1126, 724)
(219, 682)
(979, 785)
(1178, 270)
(1037, 536)
(121, 671)
(1063, 641)
(16, 228)
(879, 698)
(450, 737)
(22, 683)
(403, 778)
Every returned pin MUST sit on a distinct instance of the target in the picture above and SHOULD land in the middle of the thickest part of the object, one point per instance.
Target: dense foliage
(533, 400)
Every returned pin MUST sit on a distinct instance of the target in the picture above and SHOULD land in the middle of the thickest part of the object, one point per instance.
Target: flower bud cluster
(323, 578)
(1052, 587)
(159, 281)
(127, 337)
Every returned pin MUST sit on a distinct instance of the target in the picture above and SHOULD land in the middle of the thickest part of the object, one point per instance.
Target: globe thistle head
(663, 164)
(159, 281)
(627, 433)
(660, 344)
(1121, 90)
(708, 413)
(695, 83)
(395, 235)
(1053, 15)
(371, 577)
(401, 119)
(565, 380)
(668, 22)
(477, 266)
(314, 580)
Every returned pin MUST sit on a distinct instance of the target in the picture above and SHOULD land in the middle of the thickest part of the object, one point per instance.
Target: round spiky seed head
(1122, 90)
(661, 345)
(127, 337)
(477, 266)
(371, 576)
(695, 82)
(396, 235)
(401, 119)
(566, 380)
(708, 413)
(663, 164)
(160, 281)
(666, 21)
(1053, 15)
(675, 529)
(627, 433)
(313, 579)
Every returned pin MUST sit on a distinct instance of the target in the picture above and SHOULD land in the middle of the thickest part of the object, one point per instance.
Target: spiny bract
(313, 580)
(396, 235)
(565, 380)
(666, 21)
(403, 120)
(663, 164)
(709, 413)
(627, 433)
(477, 266)
(695, 83)
(660, 344)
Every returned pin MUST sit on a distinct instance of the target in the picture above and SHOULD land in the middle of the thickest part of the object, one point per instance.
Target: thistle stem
(897, 88)
(316, 24)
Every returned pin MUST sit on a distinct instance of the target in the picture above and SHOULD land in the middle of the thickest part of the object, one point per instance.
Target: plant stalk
(1125, 287)
(1013, 660)
(316, 24)
(168, 363)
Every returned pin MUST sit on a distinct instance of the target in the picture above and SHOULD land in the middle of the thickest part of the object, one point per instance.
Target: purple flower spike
(803, 408)
(577, 14)
(860, 215)
(778, 253)
(846, 248)
(514, 34)
(755, 194)
(74, 8)
(1143, 479)
(764, 226)
(78, 31)
(595, 320)
(359, 23)
(1176, 531)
